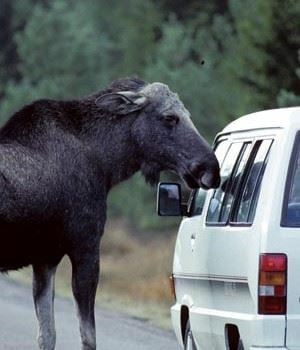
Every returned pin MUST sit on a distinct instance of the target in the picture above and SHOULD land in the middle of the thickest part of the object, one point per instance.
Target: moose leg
(84, 283)
(43, 295)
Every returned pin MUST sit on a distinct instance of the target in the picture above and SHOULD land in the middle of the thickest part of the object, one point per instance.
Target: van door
(229, 276)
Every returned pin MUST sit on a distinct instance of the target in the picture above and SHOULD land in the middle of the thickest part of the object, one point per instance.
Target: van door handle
(193, 238)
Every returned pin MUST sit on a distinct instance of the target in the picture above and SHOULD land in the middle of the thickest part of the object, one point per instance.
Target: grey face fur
(168, 138)
(165, 100)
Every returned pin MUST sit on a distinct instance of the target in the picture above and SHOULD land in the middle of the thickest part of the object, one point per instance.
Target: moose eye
(171, 120)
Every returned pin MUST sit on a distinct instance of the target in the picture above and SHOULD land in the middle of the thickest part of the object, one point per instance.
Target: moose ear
(121, 103)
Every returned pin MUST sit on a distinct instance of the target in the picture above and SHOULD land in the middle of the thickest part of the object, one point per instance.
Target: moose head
(163, 132)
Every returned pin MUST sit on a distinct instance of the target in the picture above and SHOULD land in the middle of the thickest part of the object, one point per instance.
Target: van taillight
(272, 288)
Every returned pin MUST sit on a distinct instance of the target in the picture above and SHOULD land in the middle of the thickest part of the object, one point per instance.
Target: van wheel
(240, 345)
(189, 343)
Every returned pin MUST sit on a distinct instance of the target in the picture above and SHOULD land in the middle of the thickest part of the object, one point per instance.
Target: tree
(8, 54)
(67, 60)
(139, 22)
(289, 98)
(187, 10)
(263, 53)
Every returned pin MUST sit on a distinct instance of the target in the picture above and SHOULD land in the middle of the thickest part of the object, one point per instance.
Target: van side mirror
(169, 199)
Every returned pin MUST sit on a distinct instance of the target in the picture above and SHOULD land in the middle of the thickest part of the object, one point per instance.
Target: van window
(291, 205)
(233, 186)
(242, 172)
(199, 197)
(214, 214)
(246, 203)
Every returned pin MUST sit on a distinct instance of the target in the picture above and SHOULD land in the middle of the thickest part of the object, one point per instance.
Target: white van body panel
(272, 118)
(216, 267)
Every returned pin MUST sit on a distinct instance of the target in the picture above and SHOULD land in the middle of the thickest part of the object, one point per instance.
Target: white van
(236, 270)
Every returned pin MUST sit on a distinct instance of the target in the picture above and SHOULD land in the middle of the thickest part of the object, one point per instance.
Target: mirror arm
(184, 209)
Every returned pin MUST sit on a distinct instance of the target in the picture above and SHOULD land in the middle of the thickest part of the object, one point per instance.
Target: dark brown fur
(58, 161)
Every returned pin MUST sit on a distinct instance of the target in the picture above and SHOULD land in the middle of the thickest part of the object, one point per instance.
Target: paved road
(114, 331)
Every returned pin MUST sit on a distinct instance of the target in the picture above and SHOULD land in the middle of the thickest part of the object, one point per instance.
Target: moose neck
(112, 145)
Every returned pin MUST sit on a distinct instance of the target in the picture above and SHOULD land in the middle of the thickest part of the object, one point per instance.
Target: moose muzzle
(203, 174)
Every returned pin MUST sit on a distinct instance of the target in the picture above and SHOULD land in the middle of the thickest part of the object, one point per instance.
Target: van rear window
(291, 205)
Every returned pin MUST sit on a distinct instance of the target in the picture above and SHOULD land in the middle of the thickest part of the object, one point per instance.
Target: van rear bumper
(256, 331)
(208, 327)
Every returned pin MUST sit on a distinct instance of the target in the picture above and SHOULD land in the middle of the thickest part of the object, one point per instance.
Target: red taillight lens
(273, 262)
(272, 284)
(272, 305)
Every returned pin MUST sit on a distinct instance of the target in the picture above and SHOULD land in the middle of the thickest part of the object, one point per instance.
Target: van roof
(272, 118)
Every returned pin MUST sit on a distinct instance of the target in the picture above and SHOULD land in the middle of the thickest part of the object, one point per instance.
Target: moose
(58, 162)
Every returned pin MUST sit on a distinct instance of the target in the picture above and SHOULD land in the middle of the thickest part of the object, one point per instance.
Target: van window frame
(257, 143)
(290, 176)
(235, 165)
(255, 147)
(194, 193)
(250, 161)
(236, 194)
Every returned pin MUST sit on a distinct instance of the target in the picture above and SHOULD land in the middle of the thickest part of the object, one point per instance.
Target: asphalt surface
(115, 331)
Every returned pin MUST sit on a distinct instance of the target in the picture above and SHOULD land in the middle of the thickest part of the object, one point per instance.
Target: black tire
(189, 342)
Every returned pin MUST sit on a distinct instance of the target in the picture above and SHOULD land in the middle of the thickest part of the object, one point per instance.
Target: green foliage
(66, 61)
(69, 48)
(264, 50)
(138, 21)
(288, 98)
